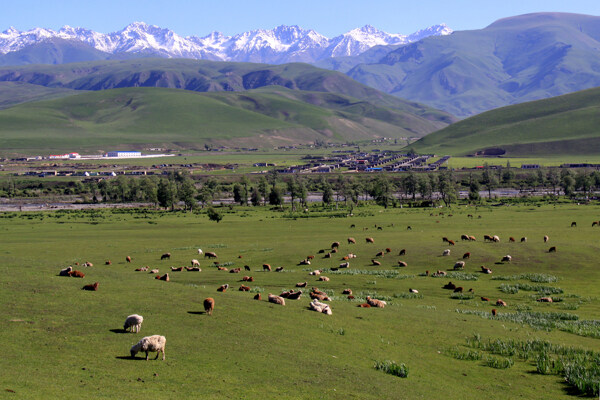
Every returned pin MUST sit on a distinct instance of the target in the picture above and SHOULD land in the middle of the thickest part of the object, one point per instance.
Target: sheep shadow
(196, 312)
(118, 331)
(130, 358)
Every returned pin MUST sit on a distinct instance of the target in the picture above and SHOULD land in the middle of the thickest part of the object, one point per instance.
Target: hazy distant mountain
(513, 60)
(282, 44)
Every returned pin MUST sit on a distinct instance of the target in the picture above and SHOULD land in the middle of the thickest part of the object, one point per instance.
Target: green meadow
(61, 342)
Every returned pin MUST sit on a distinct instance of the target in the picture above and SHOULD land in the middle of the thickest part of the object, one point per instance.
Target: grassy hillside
(563, 125)
(12, 93)
(514, 60)
(155, 117)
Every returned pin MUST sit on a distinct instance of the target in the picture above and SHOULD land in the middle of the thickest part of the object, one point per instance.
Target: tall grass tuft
(392, 368)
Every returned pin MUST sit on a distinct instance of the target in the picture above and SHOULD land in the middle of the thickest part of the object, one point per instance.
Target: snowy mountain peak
(281, 44)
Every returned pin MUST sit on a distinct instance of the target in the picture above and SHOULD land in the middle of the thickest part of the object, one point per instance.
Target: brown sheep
(174, 269)
(88, 264)
(319, 296)
(235, 270)
(375, 262)
(223, 288)
(257, 296)
(402, 264)
(380, 254)
(311, 257)
(375, 302)
(402, 252)
(472, 238)
(451, 242)
(445, 239)
(142, 269)
(347, 291)
(458, 289)
(494, 312)
(108, 262)
(193, 269)
(128, 259)
(464, 237)
(351, 240)
(248, 279)
(246, 268)
(500, 303)
(324, 279)
(511, 239)
(335, 245)
(244, 288)
(209, 305)
(92, 287)
(292, 295)
(545, 300)
(449, 285)
(165, 277)
(76, 274)
(350, 297)
(266, 267)
(364, 305)
(485, 299)
(210, 254)
(222, 268)
(166, 256)
(487, 238)
(301, 284)
(370, 240)
(328, 255)
(486, 270)
(552, 249)
(466, 256)
(276, 299)
(388, 250)
(334, 250)
(595, 223)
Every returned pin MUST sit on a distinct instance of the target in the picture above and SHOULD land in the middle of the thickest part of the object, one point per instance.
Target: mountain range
(282, 44)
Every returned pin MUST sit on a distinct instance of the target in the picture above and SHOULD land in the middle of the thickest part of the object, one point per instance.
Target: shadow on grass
(130, 358)
(197, 312)
(118, 331)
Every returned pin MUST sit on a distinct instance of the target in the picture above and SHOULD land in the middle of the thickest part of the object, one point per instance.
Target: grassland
(62, 342)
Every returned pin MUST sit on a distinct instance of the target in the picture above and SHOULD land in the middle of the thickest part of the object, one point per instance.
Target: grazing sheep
(446, 253)
(595, 223)
(193, 269)
(235, 270)
(108, 262)
(458, 289)
(88, 264)
(154, 271)
(209, 305)
(210, 254)
(523, 239)
(334, 250)
(223, 288)
(494, 312)
(439, 273)
(449, 285)
(464, 237)
(246, 268)
(472, 238)
(375, 302)
(328, 255)
(276, 299)
(92, 287)
(154, 343)
(466, 256)
(315, 272)
(451, 242)
(319, 296)
(335, 245)
(545, 300)
(244, 288)
(301, 284)
(133, 323)
(485, 299)
(248, 279)
(304, 262)
(257, 296)
(166, 256)
(200, 251)
(546, 238)
(278, 269)
(380, 254)
(506, 258)
(375, 262)
(347, 291)
(317, 306)
(195, 263)
(552, 249)
(266, 267)
(143, 269)
(176, 269)
(511, 239)
(459, 265)
(311, 257)
(165, 277)
(496, 239)
(128, 259)
(65, 271)
(324, 279)
(222, 269)
(573, 224)
(364, 305)
(413, 290)
(500, 303)
(370, 240)
(486, 270)
(76, 274)
(402, 252)
(344, 265)
(351, 240)
(294, 295)
(402, 264)
(488, 238)
(388, 250)
(445, 239)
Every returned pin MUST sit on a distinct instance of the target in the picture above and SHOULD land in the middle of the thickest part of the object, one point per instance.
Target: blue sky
(328, 17)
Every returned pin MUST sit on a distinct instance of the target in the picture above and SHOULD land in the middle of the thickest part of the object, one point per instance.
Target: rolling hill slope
(13, 93)
(563, 125)
(138, 118)
(517, 59)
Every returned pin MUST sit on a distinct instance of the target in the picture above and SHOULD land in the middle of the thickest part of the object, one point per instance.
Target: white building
(124, 154)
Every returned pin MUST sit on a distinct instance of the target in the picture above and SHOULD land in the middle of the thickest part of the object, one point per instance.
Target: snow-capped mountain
(279, 45)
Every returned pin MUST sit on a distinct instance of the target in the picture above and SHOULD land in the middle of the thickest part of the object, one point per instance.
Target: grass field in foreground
(61, 342)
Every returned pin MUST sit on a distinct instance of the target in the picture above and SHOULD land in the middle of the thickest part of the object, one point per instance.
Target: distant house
(530, 166)
(123, 154)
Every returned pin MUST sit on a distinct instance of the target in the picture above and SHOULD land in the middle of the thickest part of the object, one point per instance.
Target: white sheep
(195, 263)
(317, 306)
(345, 265)
(200, 251)
(154, 343)
(134, 322)
(446, 252)
(459, 265)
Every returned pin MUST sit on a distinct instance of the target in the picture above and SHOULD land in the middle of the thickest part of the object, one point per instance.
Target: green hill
(517, 59)
(137, 118)
(563, 125)
(13, 93)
